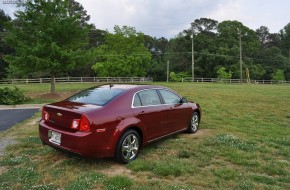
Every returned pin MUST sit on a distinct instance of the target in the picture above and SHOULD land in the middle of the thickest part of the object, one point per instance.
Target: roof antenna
(111, 85)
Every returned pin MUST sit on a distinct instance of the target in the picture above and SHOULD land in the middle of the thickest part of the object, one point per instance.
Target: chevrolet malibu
(116, 120)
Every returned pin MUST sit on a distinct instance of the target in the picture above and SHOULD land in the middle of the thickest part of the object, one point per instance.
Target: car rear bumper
(86, 144)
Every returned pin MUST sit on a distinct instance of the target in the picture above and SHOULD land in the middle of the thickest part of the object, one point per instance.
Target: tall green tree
(49, 36)
(263, 34)
(157, 48)
(179, 50)
(228, 45)
(268, 39)
(178, 53)
(205, 46)
(285, 37)
(204, 25)
(4, 48)
(96, 38)
(3, 19)
(270, 57)
(123, 54)
(285, 46)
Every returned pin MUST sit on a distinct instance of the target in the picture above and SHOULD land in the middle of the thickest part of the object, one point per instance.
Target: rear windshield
(98, 96)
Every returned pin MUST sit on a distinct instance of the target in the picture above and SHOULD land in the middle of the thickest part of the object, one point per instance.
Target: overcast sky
(166, 18)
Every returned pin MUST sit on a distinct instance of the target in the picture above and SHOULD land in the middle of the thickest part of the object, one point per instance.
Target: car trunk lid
(62, 114)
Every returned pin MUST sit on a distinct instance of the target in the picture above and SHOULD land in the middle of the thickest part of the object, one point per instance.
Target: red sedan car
(116, 120)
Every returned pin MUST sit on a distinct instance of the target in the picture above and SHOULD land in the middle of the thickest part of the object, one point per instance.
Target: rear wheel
(128, 147)
(194, 123)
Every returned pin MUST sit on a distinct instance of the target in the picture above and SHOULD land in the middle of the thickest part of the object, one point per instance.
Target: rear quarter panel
(115, 117)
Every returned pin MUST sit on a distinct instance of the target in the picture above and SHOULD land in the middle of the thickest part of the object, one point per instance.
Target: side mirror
(183, 100)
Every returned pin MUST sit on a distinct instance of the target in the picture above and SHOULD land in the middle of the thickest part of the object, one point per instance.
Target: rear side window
(137, 101)
(98, 96)
(147, 98)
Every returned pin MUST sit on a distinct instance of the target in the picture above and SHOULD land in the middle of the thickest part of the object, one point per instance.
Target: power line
(197, 53)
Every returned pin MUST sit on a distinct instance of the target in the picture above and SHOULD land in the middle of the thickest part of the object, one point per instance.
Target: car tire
(128, 147)
(194, 123)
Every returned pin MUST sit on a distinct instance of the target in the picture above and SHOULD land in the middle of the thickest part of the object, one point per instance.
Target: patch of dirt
(51, 96)
(33, 122)
(202, 132)
(117, 169)
(199, 134)
(4, 143)
(3, 170)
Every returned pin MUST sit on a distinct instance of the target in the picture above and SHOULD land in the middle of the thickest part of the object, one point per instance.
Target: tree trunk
(52, 84)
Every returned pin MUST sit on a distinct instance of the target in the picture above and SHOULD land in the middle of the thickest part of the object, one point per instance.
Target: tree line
(53, 38)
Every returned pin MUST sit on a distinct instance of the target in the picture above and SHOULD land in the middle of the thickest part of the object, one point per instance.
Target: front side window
(169, 97)
(147, 98)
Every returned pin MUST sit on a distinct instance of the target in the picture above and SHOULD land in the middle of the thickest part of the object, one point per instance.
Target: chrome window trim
(162, 104)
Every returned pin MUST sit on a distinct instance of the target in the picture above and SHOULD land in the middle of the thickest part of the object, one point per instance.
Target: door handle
(120, 118)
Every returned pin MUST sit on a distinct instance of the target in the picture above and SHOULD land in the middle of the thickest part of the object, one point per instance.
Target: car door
(178, 113)
(147, 107)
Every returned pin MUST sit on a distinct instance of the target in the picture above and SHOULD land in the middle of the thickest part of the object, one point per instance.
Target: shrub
(11, 96)
(177, 77)
(278, 75)
(222, 74)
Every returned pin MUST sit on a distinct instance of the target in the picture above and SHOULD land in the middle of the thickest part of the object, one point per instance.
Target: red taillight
(82, 124)
(45, 115)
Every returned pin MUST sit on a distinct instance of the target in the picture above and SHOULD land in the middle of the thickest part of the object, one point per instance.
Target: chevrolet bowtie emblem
(59, 114)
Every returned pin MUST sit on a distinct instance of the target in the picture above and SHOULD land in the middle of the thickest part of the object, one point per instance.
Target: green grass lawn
(243, 143)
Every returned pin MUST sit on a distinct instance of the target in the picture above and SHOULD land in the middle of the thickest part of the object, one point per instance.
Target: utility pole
(241, 61)
(167, 71)
(192, 56)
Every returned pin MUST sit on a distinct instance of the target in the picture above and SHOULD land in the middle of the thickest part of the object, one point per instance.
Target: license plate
(54, 137)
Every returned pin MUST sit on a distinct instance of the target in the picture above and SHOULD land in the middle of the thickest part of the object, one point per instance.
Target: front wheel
(128, 147)
(194, 123)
